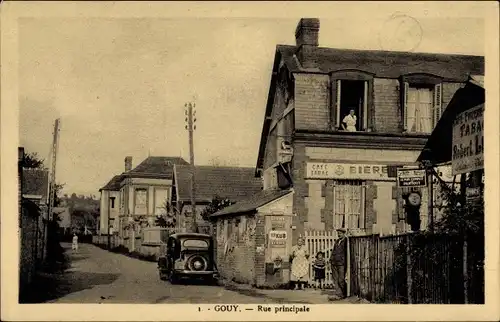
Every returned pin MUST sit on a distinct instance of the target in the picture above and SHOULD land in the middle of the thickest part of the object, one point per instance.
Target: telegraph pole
(191, 127)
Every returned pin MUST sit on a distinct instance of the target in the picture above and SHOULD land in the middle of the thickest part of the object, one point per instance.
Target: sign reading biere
(468, 141)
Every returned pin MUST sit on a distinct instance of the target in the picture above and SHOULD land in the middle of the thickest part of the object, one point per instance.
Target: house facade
(341, 167)
(134, 198)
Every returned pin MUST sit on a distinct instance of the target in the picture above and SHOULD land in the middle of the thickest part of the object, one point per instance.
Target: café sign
(468, 141)
(316, 170)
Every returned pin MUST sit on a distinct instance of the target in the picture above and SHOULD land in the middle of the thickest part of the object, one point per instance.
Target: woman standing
(300, 264)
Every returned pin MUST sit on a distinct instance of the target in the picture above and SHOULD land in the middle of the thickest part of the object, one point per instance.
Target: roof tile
(233, 183)
(253, 202)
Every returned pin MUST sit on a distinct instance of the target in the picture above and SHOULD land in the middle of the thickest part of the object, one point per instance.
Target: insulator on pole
(194, 120)
(186, 119)
(186, 127)
(194, 127)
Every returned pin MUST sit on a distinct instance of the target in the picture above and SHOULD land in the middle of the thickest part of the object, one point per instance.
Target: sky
(119, 85)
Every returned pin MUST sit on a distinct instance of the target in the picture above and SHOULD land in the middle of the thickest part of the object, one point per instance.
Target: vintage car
(187, 255)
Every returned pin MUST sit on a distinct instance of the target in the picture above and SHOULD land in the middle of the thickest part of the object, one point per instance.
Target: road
(99, 276)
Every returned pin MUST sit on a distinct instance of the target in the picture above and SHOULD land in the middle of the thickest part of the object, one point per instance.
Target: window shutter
(365, 107)
(334, 204)
(362, 220)
(405, 105)
(337, 106)
(436, 111)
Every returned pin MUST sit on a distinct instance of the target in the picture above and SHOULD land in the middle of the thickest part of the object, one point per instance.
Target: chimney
(128, 164)
(306, 38)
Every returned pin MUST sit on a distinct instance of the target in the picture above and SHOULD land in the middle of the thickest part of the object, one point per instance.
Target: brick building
(342, 178)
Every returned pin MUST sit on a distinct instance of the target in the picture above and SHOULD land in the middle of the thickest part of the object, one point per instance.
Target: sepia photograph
(273, 158)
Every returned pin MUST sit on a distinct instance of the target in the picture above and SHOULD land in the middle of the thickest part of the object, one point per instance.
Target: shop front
(355, 189)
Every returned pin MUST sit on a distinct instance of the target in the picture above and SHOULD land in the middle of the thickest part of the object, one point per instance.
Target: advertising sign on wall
(468, 141)
(278, 238)
(411, 178)
(316, 170)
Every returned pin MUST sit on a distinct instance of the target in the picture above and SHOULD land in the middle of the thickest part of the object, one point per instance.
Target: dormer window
(351, 100)
(422, 103)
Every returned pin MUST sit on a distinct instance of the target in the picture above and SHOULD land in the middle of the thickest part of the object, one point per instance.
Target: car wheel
(172, 278)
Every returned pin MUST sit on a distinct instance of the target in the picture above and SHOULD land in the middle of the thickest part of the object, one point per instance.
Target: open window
(422, 103)
(351, 98)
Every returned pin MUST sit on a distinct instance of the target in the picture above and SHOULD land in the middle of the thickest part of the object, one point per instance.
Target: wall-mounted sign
(277, 238)
(278, 222)
(468, 141)
(316, 170)
(412, 178)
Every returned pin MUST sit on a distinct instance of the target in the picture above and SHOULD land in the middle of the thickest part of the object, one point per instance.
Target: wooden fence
(417, 268)
(315, 241)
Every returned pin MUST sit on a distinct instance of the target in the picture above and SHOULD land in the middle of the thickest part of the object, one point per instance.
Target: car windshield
(198, 243)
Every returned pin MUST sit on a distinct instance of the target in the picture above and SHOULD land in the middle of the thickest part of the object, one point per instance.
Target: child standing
(319, 266)
(74, 246)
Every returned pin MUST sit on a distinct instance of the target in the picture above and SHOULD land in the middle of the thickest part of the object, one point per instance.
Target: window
(422, 104)
(351, 90)
(349, 200)
(195, 243)
(112, 202)
(141, 197)
(161, 198)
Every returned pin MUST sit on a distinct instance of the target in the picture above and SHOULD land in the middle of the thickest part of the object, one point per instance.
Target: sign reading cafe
(317, 170)
(468, 141)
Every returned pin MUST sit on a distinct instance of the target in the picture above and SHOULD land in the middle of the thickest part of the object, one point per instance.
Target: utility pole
(52, 184)
(191, 127)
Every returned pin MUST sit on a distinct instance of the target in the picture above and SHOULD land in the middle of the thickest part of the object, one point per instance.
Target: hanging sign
(411, 178)
(468, 141)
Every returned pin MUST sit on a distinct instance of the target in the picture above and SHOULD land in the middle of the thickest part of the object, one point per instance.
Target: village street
(99, 276)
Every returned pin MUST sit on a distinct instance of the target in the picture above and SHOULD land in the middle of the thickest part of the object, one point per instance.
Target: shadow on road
(47, 287)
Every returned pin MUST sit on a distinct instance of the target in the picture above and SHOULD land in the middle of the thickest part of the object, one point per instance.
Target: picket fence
(316, 241)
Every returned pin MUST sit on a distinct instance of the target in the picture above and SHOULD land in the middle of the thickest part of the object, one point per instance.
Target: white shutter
(337, 105)
(437, 106)
(362, 221)
(405, 105)
(365, 107)
(334, 206)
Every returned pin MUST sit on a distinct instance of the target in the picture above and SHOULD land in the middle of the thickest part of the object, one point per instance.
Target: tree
(33, 161)
(215, 205)
(168, 219)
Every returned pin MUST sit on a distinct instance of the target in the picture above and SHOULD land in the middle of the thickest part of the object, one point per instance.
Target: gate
(320, 240)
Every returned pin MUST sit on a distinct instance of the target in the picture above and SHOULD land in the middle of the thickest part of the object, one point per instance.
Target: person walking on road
(74, 246)
(338, 261)
(300, 264)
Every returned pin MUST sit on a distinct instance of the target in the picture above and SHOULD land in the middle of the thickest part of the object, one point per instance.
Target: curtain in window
(419, 110)
(348, 204)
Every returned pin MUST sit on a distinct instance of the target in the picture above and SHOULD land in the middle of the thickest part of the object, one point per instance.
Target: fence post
(409, 280)
(465, 271)
(348, 275)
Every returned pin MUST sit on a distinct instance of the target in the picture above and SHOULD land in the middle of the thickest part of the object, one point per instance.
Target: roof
(35, 182)
(157, 167)
(382, 64)
(438, 148)
(252, 203)
(187, 235)
(113, 184)
(389, 64)
(233, 183)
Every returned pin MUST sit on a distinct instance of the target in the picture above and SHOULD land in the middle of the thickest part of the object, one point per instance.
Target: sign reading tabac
(317, 170)
(468, 141)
